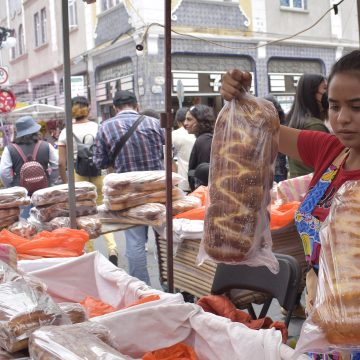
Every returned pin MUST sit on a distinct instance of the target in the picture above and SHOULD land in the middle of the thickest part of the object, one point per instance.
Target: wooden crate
(197, 280)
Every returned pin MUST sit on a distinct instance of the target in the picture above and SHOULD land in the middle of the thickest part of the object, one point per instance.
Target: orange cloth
(282, 215)
(202, 193)
(62, 242)
(96, 307)
(222, 306)
(193, 214)
(178, 351)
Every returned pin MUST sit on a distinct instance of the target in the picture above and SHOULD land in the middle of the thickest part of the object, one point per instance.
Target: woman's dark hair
(347, 63)
(27, 139)
(305, 104)
(180, 115)
(152, 113)
(277, 106)
(205, 117)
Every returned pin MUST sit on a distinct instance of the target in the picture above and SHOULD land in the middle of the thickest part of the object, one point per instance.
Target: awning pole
(68, 116)
(168, 148)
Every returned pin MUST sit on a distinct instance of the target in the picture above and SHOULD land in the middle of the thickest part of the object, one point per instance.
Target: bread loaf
(23, 309)
(84, 190)
(74, 311)
(130, 200)
(336, 308)
(137, 181)
(80, 341)
(243, 151)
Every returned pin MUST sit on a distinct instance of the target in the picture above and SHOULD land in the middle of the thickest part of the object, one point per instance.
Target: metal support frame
(167, 123)
(68, 115)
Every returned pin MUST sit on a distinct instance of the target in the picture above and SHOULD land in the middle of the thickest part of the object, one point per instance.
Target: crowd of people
(319, 134)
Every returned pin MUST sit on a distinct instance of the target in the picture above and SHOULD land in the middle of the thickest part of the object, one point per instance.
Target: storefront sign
(77, 86)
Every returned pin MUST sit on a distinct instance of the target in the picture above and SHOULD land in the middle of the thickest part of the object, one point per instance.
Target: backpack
(84, 165)
(32, 174)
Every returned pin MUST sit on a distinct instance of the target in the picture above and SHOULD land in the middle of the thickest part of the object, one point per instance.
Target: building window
(13, 49)
(21, 40)
(37, 29)
(108, 4)
(43, 25)
(294, 4)
(40, 27)
(72, 13)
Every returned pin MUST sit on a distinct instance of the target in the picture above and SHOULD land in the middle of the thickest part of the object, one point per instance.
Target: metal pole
(358, 17)
(168, 148)
(69, 130)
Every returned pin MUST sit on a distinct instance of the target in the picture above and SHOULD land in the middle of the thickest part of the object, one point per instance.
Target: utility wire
(334, 7)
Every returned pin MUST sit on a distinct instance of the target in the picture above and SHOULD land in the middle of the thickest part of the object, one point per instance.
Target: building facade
(209, 37)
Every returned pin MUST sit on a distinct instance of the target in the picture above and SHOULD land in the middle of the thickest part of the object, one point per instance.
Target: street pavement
(274, 310)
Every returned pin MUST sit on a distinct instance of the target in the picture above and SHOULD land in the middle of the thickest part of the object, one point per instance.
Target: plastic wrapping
(23, 228)
(290, 190)
(4, 355)
(49, 212)
(4, 213)
(88, 341)
(8, 221)
(152, 214)
(7, 272)
(13, 197)
(75, 312)
(60, 193)
(130, 200)
(137, 181)
(23, 309)
(8, 255)
(91, 224)
(334, 322)
(185, 204)
(243, 153)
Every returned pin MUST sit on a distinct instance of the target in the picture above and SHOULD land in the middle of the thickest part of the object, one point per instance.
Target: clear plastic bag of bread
(137, 181)
(23, 228)
(87, 340)
(334, 318)
(243, 152)
(151, 214)
(24, 307)
(84, 190)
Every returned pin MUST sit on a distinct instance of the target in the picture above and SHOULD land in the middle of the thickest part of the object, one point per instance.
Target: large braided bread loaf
(336, 308)
(241, 173)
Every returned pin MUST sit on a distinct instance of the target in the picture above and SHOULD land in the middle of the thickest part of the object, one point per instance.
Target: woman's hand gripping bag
(243, 153)
(334, 315)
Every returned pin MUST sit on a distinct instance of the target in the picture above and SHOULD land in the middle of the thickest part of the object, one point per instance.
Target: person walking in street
(27, 146)
(141, 152)
(84, 131)
(183, 143)
(200, 121)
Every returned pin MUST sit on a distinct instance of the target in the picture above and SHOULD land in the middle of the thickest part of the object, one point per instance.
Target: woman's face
(321, 91)
(344, 108)
(190, 123)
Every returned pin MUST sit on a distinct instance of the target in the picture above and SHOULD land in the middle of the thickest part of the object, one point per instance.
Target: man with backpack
(28, 162)
(131, 142)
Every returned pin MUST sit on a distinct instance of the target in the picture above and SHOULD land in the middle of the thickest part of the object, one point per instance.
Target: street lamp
(7, 39)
